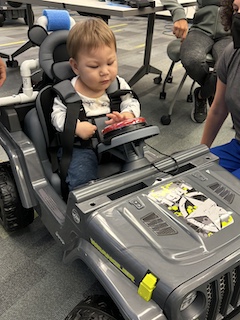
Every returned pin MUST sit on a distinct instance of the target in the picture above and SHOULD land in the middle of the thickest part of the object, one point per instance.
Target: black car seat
(52, 51)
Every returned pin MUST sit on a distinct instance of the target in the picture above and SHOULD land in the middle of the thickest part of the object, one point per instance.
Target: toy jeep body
(163, 245)
(167, 250)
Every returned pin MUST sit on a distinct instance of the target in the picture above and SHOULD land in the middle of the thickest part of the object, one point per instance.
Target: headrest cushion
(57, 19)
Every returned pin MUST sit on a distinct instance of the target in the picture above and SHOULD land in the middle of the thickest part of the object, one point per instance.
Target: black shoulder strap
(74, 106)
(114, 94)
(68, 95)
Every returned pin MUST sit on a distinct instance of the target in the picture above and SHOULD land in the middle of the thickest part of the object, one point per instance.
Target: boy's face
(97, 69)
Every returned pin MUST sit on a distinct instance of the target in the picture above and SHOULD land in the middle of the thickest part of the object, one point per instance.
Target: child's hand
(117, 117)
(85, 129)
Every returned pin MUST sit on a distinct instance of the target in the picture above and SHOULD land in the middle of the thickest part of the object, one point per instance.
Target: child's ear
(74, 65)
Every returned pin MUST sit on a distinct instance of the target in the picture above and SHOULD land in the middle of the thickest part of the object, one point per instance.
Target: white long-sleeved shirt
(94, 106)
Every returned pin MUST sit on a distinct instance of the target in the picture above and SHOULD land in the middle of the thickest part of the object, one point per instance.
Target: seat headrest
(54, 19)
(53, 50)
(36, 34)
(62, 71)
(51, 20)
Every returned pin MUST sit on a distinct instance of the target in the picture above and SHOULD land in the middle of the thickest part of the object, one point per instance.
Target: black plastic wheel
(12, 214)
(165, 120)
(158, 79)
(96, 307)
(12, 63)
(162, 95)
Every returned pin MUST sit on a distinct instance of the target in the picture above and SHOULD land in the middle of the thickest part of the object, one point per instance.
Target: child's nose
(104, 70)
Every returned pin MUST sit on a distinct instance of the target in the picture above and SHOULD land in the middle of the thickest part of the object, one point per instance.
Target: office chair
(173, 52)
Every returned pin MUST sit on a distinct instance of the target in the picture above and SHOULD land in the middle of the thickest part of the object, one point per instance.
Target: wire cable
(175, 171)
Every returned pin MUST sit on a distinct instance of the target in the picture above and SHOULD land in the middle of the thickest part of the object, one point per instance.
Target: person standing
(227, 97)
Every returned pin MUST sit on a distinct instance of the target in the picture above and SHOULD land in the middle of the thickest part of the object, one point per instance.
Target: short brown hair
(226, 13)
(89, 34)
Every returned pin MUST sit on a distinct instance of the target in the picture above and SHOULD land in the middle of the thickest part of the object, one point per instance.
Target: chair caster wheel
(166, 120)
(189, 98)
(158, 79)
(12, 63)
(170, 79)
(162, 95)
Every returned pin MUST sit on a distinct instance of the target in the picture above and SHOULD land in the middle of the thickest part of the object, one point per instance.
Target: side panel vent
(222, 191)
(157, 225)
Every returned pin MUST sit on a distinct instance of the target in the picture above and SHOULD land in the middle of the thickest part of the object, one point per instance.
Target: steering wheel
(122, 127)
(125, 140)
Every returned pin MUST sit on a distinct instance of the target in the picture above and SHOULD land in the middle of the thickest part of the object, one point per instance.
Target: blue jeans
(229, 156)
(83, 167)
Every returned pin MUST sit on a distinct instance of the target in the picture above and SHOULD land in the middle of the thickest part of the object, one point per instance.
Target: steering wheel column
(125, 140)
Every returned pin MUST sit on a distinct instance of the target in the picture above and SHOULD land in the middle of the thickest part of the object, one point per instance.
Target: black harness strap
(67, 138)
(53, 150)
(115, 98)
(74, 108)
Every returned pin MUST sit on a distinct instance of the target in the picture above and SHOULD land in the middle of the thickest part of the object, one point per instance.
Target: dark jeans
(83, 167)
(193, 57)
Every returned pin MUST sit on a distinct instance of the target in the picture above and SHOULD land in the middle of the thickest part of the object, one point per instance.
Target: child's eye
(111, 62)
(93, 67)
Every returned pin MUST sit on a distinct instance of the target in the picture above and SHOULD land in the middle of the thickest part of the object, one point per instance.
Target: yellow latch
(147, 285)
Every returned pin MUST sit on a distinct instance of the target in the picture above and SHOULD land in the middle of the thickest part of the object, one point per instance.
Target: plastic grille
(236, 287)
(223, 294)
(209, 300)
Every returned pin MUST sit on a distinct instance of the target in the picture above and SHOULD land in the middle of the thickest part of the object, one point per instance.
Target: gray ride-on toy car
(160, 233)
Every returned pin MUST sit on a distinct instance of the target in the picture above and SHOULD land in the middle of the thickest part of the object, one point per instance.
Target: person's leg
(83, 167)
(219, 46)
(229, 156)
(209, 86)
(193, 54)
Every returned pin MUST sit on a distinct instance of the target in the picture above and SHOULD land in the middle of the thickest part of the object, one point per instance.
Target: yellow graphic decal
(113, 261)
